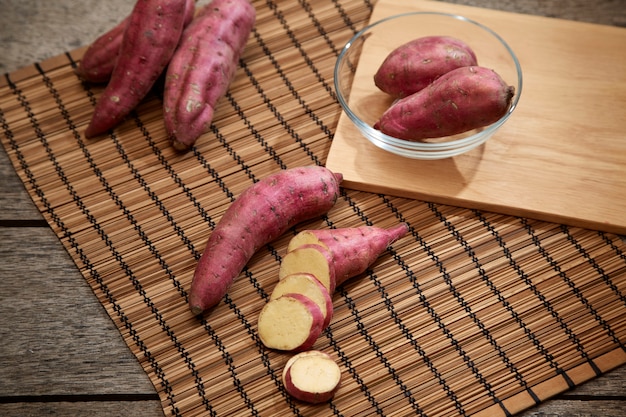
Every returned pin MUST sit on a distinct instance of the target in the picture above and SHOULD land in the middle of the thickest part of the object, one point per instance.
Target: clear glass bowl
(364, 103)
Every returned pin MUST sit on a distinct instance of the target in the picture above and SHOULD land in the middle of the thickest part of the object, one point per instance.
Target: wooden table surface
(60, 353)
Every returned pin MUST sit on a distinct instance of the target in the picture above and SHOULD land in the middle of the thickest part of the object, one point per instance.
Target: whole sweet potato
(98, 61)
(291, 322)
(203, 67)
(309, 286)
(259, 215)
(461, 100)
(311, 376)
(415, 64)
(152, 33)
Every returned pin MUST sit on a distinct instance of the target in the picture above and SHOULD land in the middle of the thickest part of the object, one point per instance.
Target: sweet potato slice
(310, 259)
(291, 322)
(312, 376)
(295, 357)
(309, 286)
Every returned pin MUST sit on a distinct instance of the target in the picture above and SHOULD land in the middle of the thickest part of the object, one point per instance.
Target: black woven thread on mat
(578, 293)
(537, 242)
(294, 40)
(406, 392)
(465, 357)
(467, 248)
(594, 264)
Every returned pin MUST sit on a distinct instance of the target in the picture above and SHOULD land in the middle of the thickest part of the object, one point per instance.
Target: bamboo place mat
(472, 313)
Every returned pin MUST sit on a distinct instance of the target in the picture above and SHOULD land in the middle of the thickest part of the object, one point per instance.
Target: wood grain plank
(84, 409)
(565, 408)
(15, 203)
(37, 30)
(603, 12)
(611, 384)
(57, 339)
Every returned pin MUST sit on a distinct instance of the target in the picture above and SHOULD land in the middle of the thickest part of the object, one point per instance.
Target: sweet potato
(352, 250)
(203, 67)
(291, 322)
(96, 64)
(332, 256)
(152, 33)
(415, 64)
(461, 100)
(311, 376)
(310, 259)
(259, 215)
(309, 286)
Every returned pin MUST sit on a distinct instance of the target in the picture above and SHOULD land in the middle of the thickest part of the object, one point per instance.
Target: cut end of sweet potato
(352, 250)
(306, 237)
(291, 322)
(312, 376)
(309, 286)
(311, 259)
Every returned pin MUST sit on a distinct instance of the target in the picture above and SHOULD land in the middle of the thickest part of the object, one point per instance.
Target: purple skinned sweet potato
(415, 64)
(459, 101)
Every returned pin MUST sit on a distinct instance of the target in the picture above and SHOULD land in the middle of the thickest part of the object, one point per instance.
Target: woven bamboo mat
(473, 313)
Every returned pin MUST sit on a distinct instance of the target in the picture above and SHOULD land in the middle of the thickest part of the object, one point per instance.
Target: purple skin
(415, 64)
(203, 67)
(262, 213)
(462, 100)
(354, 249)
(152, 33)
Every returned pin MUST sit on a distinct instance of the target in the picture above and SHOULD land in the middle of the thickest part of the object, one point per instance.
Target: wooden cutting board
(561, 157)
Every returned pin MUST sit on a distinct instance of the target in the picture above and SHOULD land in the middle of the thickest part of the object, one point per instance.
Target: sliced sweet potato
(310, 259)
(291, 322)
(312, 376)
(309, 286)
(352, 249)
